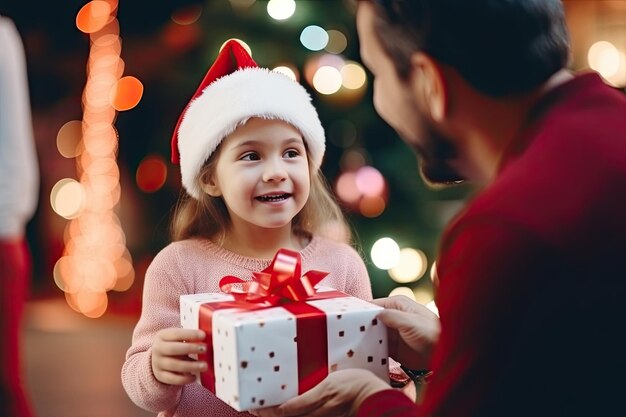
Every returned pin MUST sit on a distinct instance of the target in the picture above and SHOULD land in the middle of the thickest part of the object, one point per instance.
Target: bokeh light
(69, 137)
(372, 206)
(126, 93)
(281, 9)
(93, 16)
(67, 198)
(352, 159)
(423, 295)
(609, 62)
(151, 174)
(406, 291)
(411, 266)
(337, 42)
(353, 75)
(327, 80)
(314, 38)
(346, 188)
(385, 253)
(604, 57)
(360, 186)
(433, 274)
(370, 181)
(91, 303)
(95, 259)
(288, 71)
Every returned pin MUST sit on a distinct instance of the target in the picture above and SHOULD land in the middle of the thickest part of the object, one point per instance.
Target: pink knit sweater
(196, 266)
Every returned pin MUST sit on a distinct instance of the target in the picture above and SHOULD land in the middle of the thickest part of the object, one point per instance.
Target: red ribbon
(281, 283)
(281, 279)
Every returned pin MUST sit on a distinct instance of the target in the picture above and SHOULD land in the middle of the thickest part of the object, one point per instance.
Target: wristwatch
(418, 376)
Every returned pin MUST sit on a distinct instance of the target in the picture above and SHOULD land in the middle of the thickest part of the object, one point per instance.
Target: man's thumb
(396, 319)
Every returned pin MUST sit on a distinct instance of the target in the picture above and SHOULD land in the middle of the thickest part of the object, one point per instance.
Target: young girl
(249, 145)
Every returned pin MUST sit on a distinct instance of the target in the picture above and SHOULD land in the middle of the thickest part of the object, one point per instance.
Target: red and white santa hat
(234, 90)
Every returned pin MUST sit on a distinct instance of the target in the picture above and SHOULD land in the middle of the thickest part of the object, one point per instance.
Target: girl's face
(262, 173)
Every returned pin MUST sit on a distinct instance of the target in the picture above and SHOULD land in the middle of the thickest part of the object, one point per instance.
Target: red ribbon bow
(282, 279)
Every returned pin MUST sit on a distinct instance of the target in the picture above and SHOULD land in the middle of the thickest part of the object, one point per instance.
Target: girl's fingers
(173, 378)
(178, 348)
(175, 334)
(180, 366)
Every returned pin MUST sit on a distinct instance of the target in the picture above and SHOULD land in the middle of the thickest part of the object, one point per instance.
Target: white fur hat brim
(233, 99)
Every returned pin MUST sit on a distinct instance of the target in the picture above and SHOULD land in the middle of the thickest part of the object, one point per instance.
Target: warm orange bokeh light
(95, 259)
(151, 174)
(69, 137)
(126, 93)
(372, 206)
(93, 16)
(92, 304)
(113, 4)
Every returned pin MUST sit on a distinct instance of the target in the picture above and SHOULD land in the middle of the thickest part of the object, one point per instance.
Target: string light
(95, 259)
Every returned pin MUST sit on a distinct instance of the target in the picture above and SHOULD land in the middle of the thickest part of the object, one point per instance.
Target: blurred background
(108, 80)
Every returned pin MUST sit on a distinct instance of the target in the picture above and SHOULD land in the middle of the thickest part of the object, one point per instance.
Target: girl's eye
(250, 156)
(292, 153)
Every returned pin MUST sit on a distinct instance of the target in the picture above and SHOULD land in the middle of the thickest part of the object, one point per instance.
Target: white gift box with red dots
(255, 353)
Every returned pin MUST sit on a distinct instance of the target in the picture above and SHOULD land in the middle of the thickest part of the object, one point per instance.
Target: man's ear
(428, 82)
(209, 185)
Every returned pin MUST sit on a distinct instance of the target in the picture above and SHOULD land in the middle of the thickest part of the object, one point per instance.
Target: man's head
(499, 48)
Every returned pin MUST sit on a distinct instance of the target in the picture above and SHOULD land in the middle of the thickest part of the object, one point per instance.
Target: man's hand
(171, 363)
(413, 330)
(339, 395)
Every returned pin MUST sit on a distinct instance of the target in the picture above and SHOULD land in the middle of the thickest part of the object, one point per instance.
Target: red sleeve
(487, 270)
(388, 403)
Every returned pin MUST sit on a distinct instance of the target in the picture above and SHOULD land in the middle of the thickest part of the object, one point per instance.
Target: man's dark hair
(500, 47)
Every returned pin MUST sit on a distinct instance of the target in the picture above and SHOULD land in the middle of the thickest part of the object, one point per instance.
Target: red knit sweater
(532, 293)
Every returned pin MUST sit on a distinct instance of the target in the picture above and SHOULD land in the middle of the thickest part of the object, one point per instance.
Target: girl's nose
(274, 170)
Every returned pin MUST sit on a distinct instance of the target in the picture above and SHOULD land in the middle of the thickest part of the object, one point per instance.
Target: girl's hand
(171, 363)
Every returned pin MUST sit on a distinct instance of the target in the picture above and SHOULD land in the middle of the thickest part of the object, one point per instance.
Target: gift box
(261, 353)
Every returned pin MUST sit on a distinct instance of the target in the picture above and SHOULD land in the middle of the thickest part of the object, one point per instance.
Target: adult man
(532, 273)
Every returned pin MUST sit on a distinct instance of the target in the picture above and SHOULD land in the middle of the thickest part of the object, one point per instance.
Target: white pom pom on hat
(235, 89)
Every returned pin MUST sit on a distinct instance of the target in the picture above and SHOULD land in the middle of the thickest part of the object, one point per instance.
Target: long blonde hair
(208, 217)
